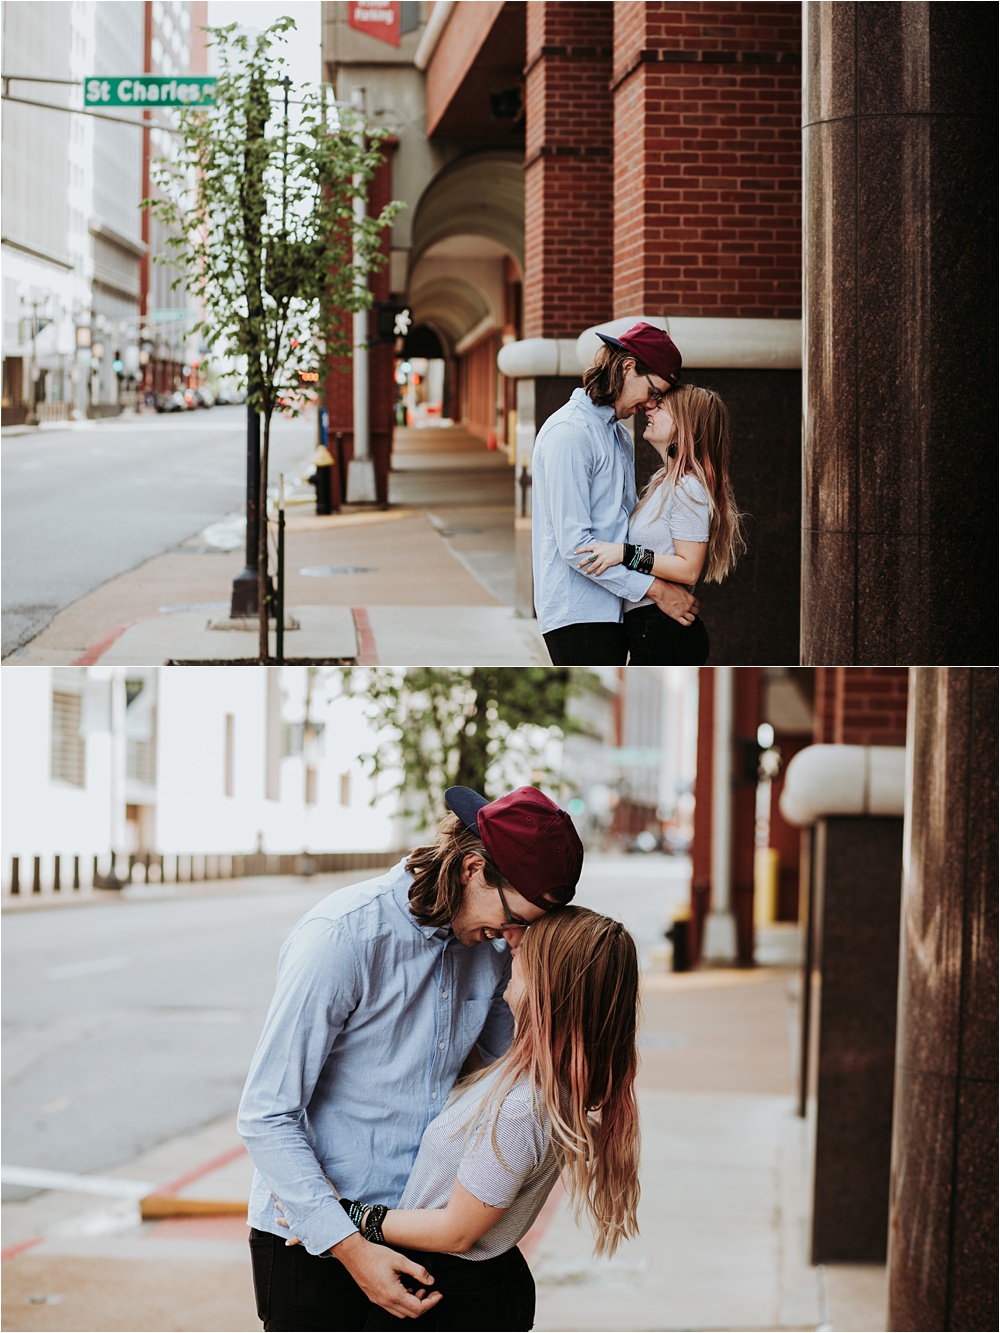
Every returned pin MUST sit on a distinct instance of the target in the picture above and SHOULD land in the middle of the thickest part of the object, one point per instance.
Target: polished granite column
(899, 417)
(857, 873)
(943, 1203)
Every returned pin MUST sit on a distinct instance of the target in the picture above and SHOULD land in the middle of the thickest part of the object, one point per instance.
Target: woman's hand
(283, 1221)
(603, 556)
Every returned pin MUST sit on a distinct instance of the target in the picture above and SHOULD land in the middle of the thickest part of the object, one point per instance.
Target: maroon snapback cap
(651, 346)
(530, 840)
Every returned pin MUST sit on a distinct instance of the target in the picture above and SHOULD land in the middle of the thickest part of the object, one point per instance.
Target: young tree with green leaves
(481, 727)
(260, 211)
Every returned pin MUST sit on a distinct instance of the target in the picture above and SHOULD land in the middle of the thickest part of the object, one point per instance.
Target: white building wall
(194, 814)
(41, 816)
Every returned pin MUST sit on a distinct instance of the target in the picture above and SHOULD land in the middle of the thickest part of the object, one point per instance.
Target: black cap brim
(465, 803)
(614, 342)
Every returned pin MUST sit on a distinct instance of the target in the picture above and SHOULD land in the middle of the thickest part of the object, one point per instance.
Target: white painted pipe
(720, 924)
(440, 15)
(824, 780)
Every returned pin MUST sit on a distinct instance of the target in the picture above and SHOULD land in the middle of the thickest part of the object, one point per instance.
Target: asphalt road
(127, 1023)
(81, 505)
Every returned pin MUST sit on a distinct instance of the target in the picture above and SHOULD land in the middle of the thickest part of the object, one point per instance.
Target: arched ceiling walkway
(468, 223)
(479, 195)
(449, 305)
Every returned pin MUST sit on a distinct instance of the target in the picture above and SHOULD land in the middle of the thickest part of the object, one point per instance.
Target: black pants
(655, 639)
(485, 1294)
(298, 1292)
(592, 643)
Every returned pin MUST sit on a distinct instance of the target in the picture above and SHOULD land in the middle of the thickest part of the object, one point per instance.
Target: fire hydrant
(322, 479)
(679, 935)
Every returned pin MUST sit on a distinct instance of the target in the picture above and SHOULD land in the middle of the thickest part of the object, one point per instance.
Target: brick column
(338, 390)
(568, 190)
(707, 198)
(568, 223)
(738, 813)
(861, 705)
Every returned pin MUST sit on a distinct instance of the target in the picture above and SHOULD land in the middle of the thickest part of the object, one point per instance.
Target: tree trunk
(263, 578)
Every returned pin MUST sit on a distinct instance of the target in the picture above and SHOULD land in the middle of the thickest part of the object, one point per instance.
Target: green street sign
(150, 90)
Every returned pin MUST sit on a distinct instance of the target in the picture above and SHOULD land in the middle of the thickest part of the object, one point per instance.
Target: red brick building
(575, 164)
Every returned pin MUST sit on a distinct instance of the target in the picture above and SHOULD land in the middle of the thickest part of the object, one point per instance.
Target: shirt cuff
(325, 1228)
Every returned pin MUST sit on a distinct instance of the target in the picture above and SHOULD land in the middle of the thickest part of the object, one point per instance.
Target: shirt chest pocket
(474, 1015)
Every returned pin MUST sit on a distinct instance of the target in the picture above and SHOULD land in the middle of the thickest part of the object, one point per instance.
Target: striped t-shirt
(520, 1183)
(684, 517)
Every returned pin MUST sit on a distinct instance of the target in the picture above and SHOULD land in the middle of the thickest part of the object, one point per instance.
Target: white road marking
(35, 1177)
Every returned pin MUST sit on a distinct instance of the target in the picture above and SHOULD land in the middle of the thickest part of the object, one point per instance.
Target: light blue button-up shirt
(372, 1018)
(583, 490)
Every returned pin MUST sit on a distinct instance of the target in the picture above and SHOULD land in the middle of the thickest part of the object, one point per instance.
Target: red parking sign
(378, 18)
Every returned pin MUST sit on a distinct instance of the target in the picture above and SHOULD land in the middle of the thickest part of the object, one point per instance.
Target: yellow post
(765, 886)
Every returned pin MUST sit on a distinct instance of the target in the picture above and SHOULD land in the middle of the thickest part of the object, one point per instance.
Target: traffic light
(391, 321)
(118, 365)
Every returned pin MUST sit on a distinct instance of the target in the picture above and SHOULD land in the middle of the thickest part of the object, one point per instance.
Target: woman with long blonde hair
(562, 1100)
(686, 525)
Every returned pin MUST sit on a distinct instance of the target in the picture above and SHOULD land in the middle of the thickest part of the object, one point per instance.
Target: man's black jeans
(299, 1292)
(592, 643)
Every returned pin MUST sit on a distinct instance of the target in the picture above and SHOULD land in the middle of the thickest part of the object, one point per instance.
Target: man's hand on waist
(378, 1272)
(674, 601)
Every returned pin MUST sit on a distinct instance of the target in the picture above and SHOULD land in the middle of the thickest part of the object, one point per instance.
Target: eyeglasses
(510, 922)
(656, 394)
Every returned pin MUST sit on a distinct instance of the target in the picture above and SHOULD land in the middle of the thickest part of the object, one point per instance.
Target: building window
(68, 756)
(312, 785)
(345, 789)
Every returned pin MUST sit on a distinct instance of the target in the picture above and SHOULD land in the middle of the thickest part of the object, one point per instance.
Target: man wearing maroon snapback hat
(384, 991)
(583, 490)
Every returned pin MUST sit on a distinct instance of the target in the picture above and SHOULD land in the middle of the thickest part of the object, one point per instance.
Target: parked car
(203, 398)
(171, 402)
(644, 842)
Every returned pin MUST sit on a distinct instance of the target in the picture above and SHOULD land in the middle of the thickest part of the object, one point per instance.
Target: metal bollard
(679, 934)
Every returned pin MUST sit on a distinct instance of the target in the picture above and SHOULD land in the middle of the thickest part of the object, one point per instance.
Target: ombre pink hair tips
(575, 1043)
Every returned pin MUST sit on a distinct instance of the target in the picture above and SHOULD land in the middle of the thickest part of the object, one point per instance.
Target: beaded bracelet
(354, 1209)
(373, 1223)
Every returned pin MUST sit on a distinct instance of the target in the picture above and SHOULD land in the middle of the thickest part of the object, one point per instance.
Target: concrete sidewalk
(723, 1218)
(428, 582)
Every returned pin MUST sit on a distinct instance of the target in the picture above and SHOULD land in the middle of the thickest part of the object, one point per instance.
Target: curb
(155, 1207)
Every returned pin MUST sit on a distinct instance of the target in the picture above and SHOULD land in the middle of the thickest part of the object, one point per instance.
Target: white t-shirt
(520, 1183)
(683, 518)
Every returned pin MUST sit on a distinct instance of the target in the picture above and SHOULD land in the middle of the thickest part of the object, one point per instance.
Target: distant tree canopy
(480, 727)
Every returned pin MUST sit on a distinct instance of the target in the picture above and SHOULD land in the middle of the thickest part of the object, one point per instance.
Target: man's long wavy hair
(604, 381)
(575, 1044)
(701, 446)
(436, 891)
